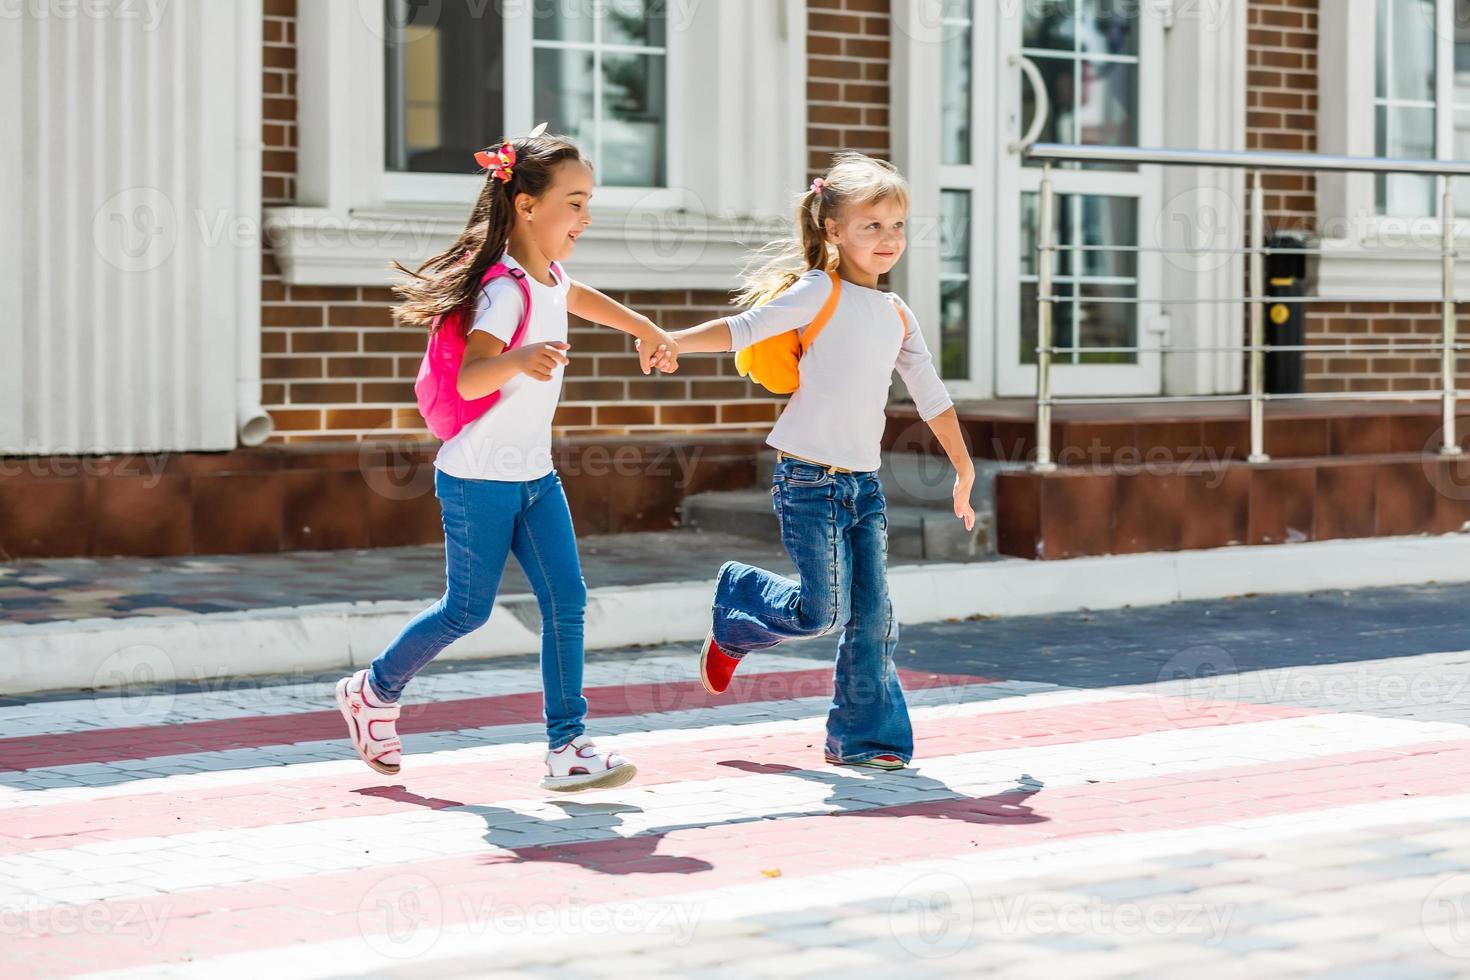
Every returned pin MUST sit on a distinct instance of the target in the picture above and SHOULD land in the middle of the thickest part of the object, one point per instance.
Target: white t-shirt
(512, 441)
(837, 414)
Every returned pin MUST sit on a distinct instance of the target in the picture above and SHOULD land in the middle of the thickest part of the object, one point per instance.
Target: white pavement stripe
(237, 767)
(662, 921)
(146, 866)
(244, 697)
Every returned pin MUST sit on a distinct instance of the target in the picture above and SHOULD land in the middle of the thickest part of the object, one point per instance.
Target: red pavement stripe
(362, 794)
(314, 909)
(152, 741)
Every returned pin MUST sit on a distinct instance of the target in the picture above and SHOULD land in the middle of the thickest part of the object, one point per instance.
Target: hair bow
(817, 185)
(499, 161)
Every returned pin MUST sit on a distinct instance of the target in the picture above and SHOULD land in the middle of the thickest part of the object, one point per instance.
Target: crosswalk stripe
(709, 795)
(108, 745)
(333, 905)
(439, 782)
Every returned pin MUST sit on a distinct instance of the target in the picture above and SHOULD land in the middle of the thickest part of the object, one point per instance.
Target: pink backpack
(437, 386)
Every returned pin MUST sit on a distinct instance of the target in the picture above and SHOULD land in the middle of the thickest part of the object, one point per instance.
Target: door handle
(1043, 101)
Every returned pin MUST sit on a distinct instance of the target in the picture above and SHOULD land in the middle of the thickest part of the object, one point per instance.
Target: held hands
(657, 350)
(540, 360)
(963, 509)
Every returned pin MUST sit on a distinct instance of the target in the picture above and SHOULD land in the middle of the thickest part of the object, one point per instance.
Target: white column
(1205, 68)
(130, 301)
(915, 39)
(12, 279)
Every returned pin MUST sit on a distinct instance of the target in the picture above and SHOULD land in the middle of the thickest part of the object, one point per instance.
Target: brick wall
(1282, 107)
(336, 366)
(1281, 103)
(847, 79)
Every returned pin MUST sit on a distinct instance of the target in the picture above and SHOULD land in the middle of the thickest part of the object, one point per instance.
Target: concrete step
(913, 532)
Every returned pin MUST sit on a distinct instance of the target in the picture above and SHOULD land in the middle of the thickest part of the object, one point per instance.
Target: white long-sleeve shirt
(838, 412)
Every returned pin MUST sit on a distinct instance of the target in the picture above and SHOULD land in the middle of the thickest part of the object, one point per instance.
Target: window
(954, 284)
(1421, 97)
(598, 72)
(1092, 284)
(1087, 52)
(446, 86)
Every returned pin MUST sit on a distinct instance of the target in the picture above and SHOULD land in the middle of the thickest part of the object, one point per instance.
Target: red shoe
(716, 667)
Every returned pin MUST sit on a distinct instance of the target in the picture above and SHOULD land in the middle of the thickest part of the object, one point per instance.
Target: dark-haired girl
(497, 487)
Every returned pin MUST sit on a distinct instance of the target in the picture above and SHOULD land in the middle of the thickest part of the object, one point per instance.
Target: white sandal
(371, 727)
(578, 765)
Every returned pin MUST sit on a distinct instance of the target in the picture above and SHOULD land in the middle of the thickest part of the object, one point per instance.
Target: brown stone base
(1071, 513)
(284, 498)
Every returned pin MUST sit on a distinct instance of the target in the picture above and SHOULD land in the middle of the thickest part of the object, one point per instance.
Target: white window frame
(403, 187)
(1357, 242)
(1205, 64)
(746, 61)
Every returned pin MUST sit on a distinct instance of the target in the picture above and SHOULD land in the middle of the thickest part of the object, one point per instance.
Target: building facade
(205, 198)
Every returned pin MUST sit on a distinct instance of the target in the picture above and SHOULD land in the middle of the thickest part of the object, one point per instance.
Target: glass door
(1099, 63)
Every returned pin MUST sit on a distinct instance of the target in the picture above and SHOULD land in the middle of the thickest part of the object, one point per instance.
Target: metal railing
(1255, 163)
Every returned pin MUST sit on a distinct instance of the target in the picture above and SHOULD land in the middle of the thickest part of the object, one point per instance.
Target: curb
(112, 653)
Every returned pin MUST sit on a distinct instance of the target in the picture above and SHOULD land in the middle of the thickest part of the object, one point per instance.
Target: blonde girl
(826, 492)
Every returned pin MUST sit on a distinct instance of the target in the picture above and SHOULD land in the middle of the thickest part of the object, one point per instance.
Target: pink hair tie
(817, 185)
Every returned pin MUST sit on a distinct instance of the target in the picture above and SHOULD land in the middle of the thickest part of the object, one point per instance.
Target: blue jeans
(835, 528)
(484, 522)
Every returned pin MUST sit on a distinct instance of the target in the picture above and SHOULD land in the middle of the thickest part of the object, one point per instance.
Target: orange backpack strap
(823, 315)
(901, 314)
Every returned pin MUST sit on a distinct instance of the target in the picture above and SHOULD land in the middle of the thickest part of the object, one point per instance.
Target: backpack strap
(500, 271)
(823, 315)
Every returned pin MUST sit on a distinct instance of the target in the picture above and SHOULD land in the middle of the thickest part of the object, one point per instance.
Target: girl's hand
(660, 353)
(540, 360)
(963, 509)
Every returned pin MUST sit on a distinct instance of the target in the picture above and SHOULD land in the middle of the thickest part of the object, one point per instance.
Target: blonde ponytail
(853, 179)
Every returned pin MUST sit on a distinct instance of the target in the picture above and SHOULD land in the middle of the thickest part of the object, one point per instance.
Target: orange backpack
(772, 363)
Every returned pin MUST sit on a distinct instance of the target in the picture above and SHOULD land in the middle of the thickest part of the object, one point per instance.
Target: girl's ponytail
(852, 179)
(449, 280)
